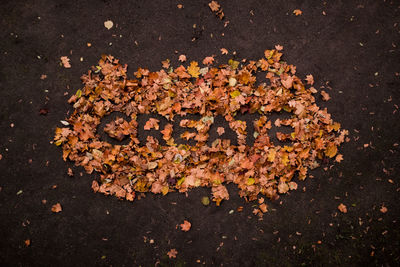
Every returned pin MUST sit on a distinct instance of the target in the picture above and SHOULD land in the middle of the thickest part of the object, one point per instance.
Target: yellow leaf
(331, 150)
(271, 155)
(250, 181)
(180, 181)
(233, 63)
(165, 190)
(235, 93)
(193, 69)
(285, 159)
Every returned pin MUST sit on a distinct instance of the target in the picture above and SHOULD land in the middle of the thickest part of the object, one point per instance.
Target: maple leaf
(224, 51)
(65, 62)
(43, 76)
(214, 6)
(193, 69)
(342, 208)
(263, 207)
(339, 158)
(56, 208)
(172, 253)
(220, 131)
(310, 79)
(278, 47)
(283, 187)
(208, 60)
(151, 123)
(185, 226)
(288, 82)
(165, 64)
(297, 12)
(325, 95)
(182, 58)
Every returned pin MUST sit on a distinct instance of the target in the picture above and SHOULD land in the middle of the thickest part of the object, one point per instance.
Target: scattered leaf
(172, 253)
(185, 226)
(342, 208)
(108, 24)
(65, 62)
(56, 208)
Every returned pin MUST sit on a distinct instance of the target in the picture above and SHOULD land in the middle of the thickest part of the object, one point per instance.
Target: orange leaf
(185, 226)
(56, 208)
(342, 208)
(193, 69)
(172, 253)
(297, 12)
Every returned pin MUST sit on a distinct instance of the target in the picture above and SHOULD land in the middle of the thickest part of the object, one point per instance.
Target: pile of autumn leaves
(128, 171)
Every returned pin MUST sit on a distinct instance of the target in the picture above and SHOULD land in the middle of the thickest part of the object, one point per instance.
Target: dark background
(354, 48)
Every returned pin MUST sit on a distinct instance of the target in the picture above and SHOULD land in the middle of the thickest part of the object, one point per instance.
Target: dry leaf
(224, 51)
(65, 62)
(325, 95)
(172, 253)
(220, 131)
(56, 208)
(297, 12)
(208, 60)
(108, 24)
(383, 209)
(214, 6)
(182, 58)
(185, 226)
(310, 79)
(278, 47)
(342, 208)
(193, 69)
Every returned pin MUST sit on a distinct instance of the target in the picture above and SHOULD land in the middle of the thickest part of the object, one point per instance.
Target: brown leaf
(297, 12)
(185, 226)
(65, 62)
(325, 95)
(224, 51)
(172, 253)
(56, 208)
(342, 208)
(182, 58)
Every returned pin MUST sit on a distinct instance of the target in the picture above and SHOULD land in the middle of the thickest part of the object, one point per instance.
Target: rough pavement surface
(350, 47)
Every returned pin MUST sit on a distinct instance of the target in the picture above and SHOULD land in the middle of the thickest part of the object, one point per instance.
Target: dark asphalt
(351, 48)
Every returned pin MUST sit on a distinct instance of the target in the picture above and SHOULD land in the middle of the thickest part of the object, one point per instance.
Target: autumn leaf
(278, 47)
(185, 226)
(193, 69)
(65, 62)
(214, 6)
(224, 51)
(182, 58)
(288, 82)
(56, 208)
(283, 187)
(108, 24)
(297, 12)
(208, 60)
(339, 158)
(310, 79)
(263, 207)
(383, 209)
(325, 95)
(172, 253)
(220, 131)
(151, 123)
(342, 208)
(331, 150)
